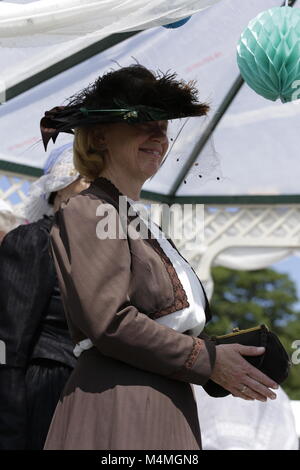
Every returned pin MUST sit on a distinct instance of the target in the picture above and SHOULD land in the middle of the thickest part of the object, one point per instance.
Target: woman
(39, 351)
(135, 308)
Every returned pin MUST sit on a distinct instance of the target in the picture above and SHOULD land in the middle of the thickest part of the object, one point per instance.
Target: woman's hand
(234, 373)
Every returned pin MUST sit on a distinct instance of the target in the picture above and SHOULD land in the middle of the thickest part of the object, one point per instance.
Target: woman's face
(137, 149)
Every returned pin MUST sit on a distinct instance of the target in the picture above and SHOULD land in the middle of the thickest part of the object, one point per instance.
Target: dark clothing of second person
(38, 349)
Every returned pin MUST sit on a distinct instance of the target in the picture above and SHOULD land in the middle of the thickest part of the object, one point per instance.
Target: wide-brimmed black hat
(130, 94)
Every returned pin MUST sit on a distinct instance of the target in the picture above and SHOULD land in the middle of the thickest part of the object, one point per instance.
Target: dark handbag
(275, 362)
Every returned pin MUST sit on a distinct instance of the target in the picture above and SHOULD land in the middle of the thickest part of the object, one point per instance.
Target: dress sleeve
(25, 289)
(95, 274)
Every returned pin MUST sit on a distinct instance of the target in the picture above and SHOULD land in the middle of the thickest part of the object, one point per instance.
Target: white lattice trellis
(14, 187)
(257, 226)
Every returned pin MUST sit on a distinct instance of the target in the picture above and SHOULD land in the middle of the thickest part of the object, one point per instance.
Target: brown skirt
(109, 405)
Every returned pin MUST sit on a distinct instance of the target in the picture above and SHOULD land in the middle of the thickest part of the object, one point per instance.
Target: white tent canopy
(255, 140)
(51, 30)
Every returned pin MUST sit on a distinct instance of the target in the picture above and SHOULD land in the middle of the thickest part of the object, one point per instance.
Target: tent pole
(67, 63)
(207, 133)
(210, 128)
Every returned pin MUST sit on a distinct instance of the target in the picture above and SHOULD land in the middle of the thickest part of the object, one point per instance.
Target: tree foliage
(249, 298)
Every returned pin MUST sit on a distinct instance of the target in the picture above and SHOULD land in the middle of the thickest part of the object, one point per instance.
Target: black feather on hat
(133, 94)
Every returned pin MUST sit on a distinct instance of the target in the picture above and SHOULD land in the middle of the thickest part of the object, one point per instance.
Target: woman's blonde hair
(89, 159)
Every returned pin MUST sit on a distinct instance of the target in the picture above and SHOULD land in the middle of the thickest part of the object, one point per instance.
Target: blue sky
(290, 266)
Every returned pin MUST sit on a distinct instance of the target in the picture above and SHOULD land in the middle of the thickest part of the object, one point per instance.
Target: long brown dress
(132, 390)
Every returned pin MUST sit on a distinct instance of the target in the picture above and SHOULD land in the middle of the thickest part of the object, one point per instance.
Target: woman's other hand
(238, 376)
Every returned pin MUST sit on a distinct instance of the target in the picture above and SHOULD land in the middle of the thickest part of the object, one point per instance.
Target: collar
(107, 186)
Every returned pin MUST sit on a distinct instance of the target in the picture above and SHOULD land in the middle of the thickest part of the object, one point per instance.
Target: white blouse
(190, 319)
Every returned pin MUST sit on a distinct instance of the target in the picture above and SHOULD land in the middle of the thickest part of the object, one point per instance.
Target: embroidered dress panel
(190, 320)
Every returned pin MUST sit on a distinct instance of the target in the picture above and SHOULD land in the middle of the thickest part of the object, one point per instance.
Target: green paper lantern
(268, 54)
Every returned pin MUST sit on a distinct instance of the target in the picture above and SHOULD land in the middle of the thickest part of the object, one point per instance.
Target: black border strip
(20, 169)
(67, 63)
(228, 200)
